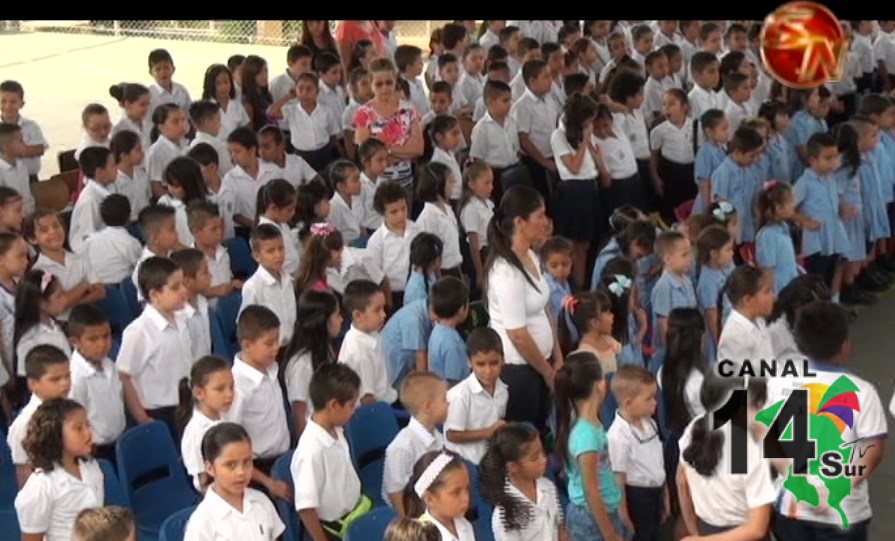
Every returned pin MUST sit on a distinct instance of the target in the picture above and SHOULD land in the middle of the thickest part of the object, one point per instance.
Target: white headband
(431, 472)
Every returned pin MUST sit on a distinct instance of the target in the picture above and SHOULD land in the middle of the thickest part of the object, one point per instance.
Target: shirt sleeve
(360, 364)
(656, 138)
(34, 505)
(523, 116)
(130, 355)
(619, 452)
(720, 184)
(660, 299)
(766, 250)
(702, 167)
(800, 192)
(458, 406)
(332, 125)
(456, 361)
(586, 439)
(306, 466)
(395, 474)
(479, 147)
(708, 294)
(373, 258)
(510, 292)
(871, 421)
(415, 334)
(298, 379)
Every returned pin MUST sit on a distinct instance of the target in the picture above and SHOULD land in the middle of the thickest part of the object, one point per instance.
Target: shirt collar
(267, 277)
(421, 432)
(673, 279)
(320, 433)
(88, 367)
(476, 386)
(220, 509)
(97, 187)
(743, 321)
(368, 340)
(254, 374)
(156, 318)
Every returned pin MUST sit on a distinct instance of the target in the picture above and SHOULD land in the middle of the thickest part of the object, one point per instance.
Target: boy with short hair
(206, 225)
(805, 123)
(710, 38)
(196, 281)
(361, 92)
(94, 378)
(555, 57)
(441, 101)
(159, 228)
(656, 85)
(112, 252)
(49, 376)
(642, 36)
(409, 61)
(495, 138)
(739, 91)
(248, 175)
(387, 259)
(449, 69)
(12, 99)
(331, 95)
(536, 116)
(673, 289)
(313, 128)
(676, 67)
(270, 285)
(299, 59)
(447, 351)
(218, 193)
(206, 115)
(291, 167)
(99, 171)
(704, 72)
(12, 210)
(13, 171)
(478, 404)
(163, 89)
(109, 523)
(405, 340)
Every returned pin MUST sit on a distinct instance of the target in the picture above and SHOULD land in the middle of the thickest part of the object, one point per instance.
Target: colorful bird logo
(838, 402)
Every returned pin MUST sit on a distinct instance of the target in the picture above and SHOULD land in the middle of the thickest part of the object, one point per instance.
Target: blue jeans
(581, 525)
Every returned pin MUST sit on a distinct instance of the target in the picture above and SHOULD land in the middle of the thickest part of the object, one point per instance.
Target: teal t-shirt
(587, 437)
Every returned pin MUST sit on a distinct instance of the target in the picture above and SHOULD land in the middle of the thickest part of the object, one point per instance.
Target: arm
(532, 151)
(705, 192)
(33, 537)
(422, 360)
(299, 411)
(711, 321)
(604, 175)
(273, 486)
(132, 400)
(412, 148)
(557, 351)
(222, 290)
(654, 171)
(368, 399)
(73, 296)
(23, 472)
(662, 325)
(312, 524)
(574, 161)
(755, 528)
(465, 436)
(688, 512)
(623, 504)
(526, 346)
(244, 221)
(476, 251)
(350, 147)
(590, 466)
(34, 150)
(873, 454)
(276, 108)
(397, 502)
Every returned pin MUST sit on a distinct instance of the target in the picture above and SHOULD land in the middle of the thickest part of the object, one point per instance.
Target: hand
(236, 284)
(847, 212)
(660, 187)
(550, 165)
(548, 377)
(496, 426)
(279, 489)
(626, 520)
(811, 223)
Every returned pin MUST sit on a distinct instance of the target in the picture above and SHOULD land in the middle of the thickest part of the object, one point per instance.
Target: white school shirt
(634, 128)
(701, 100)
(219, 266)
(361, 351)
(144, 255)
(517, 86)
(495, 144)
(178, 94)
(372, 219)
(216, 520)
(479, 110)
(692, 388)
(660, 40)
(160, 154)
(137, 189)
(653, 91)
(513, 303)
(458, 99)
(470, 407)
(884, 51)
(674, 143)
(191, 444)
(258, 406)
(412, 442)
(32, 135)
(636, 452)
(156, 353)
(199, 327)
(290, 245)
(742, 339)
(295, 170)
(88, 141)
(737, 113)
(298, 374)
(102, 395)
(41, 334)
(322, 463)
(225, 199)
(277, 294)
(280, 86)
(863, 48)
(225, 163)
(617, 155)
(7, 327)
(182, 221)
(348, 115)
(472, 86)
(50, 501)
(15, 176)
(464, 528)
(443, 224)
(388, 255)
(560, 147)
(332, 98)
(245, 188)
(783, 342)
(439, 155)
(476, 216)
(18, 428)
(489, 39)
(234, 116)
(143, 129)
(845, 85)
(310, 131)
(346, 219)
(418, 95)
(85, 217)
(112, 254)
(537, 117)
(72, 271)
(545, 519)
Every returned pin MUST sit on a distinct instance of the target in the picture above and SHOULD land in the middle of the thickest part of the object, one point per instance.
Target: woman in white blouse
(518, 297)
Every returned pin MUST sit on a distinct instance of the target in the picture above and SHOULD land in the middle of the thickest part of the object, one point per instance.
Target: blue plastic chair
(120, 314)
(153, 478)
(9, 486)
(227, 310)
(174, 526)
(480, 511)
(371, 527)
(241, 262)
(129, 292)
(220, 345)
(9, 524)
(114, 492)
(281, 472)
(369, 432)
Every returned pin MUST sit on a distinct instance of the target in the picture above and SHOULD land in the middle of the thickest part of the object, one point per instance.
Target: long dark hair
(308, 40)
(506, 445)
(686, 328)
(28, 298)
(618, 266)
(209, 84)
(425, 249)
(574, 381)
(413, 504)
(517, 202)
(159, 117)
(579, 111)
(847, 142)
(258, 97)
(316, 257)
(768, 201)
(186, 173)
(199, 376)
(311, 332)
(583, 308)
(801, 291)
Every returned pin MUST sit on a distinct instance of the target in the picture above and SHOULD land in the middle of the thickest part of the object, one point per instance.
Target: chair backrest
(228, 310)
(219, 344)
(52, 194)
(111, 484)
(9, 524)
(66, 160)
(241, 262)
(371, 527)
(480, 510)
(8, 483)
(369, 432)
(174, 526)
(129, 291)
(281, 472)
(115, 306)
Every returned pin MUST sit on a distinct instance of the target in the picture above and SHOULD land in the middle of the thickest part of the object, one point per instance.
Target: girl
(435, 182)
(45, 229)
(97, 126)
(581, 445)
(324, 250)
(585, 51)
(682, 373)
(134, 101)
(588, 323)
(374, 159)
(13, 265)
(476, 210)
(712, 151)
(185, 186)
(629, 323)
(227, 452)
(218, 86)
(276, 206)
(169, 128)
(39, 300)
(777, 115)
(256, 97)
(445, 134)
(774, 250)
(577, 213)
(436, 49)
(802, 291)
(715, 249)
(811, 107)
(724, 214)
(312, 206)
(621, 174)
(438, 492)
(132, 180)
(364, 53)
(673, 145)
(316, 36)
(744, 337)
(635, 241)
(66, 479)
(204, 399)
(556, 259)
(489, 34)
(848, 182)
(526, 505)
(425, 264)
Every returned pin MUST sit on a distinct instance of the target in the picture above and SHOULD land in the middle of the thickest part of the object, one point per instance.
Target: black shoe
(883, 275)
(872, 282)
(855, 296)
(871, 298)
(887, 262)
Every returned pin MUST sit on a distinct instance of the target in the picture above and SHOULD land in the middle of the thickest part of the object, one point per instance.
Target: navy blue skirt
(579, 215)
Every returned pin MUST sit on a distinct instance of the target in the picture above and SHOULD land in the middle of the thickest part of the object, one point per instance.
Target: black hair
(308, 197)
(555, 245)
(333, 381)
(273, 131)
(361, 47)
(185, 173)
(159, 55)
(746, 140)
(189, 260)
(115, 210)
(324, 61)
(8, 195)
(683, 355)
(204, 110)
(199, 375)
(575, 83)
(821, 330)
(442, 87)
(711, 119)
(619, 302)
(122, 143)
(440, 125)
(93, 109)
(734, 80)
(587, 306)
(801, 291)
(402, 85)
(127, 92)
(159, 117)
(83, 316)
(13, 86)
(624, 85)
(816, 143)
(278, 192)
(574, 381)
(652, 57)
(445, 59)
(483, 340)
(199, 212)
(711, 238)
(770, 109)
(432, 182)
(497, 65)
(355, 77)
(452, 34)
(310, 333)
(204, 154)
(254, 321)
(44, 442)
(519, 201)
(670, 49)
(317, 256)
(405, 55)
(243, 136)
(506, 445)
(448, 296)
(771, 198)
(93, 158)
(264, 232)
(311, 78)
(154, 273)
(701, 60)
(731, 63)
(413, 503)
(359, 294)
(744, 281)
(548, 48)
(425, 249)
(641, 233)
(221, 435)
(256, 97)
(209, 84)
(338, 172)
(29, 293)
(532, 69)
(369, 148)
(152, 217)
(579, 112)
(388, 192)
(297, 51)
(708, 28)
(874, 104)
(235, 61)
(40, 358)
(494, 88)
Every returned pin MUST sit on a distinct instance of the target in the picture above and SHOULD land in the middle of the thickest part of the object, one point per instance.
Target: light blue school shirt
(884, 157)
(801, 128)
(876, 218)
(708, 158)
(558, 292)
(670, 292)
(405, 333)
(416, 287)
(848, 183)
(610, 251)
(740, 186)
(781, 163)
(818, 198)
(586, 437)
(447, 353)
(774, 248)
(711, 282)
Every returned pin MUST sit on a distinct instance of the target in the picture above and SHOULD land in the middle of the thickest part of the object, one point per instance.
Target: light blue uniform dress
(631, 353)
(778, 150)
(774, 248)
(802, 127)
(711, 281)
(739, 186)
(668, 293)
(819, 199)
(848, 184)
(559, 291)
(876, 219)
(884, 158)
(708, 158)
(416, 287)
(610, 251)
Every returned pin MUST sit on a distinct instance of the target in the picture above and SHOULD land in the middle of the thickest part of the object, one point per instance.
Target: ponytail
(619, 302)
(184, 405)
(200, 373)
(519, 201)
(159, 117)
(506, 445)
(574, 381)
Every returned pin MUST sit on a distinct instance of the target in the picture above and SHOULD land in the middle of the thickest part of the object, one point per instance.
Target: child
(704, 68)
(424, 394)
(738, 108)
(777, 116)
(258, 399)
(581, 445)
(801, 292)
(185, 185)
(66, 479)
(635, 451)
(554, 55)
(634, 241)
(680, 379)
(230, 509)
(313, 128)
(425, 264)
(440, 100)
(361, 92)
(291, 167)
(373, 155)
(317, 323)
(447, 352)
(444, 131)
(556, 259)
(808, 120)
(133, 98)
(672, 145)
(476, 209)
(346, 207)
(247, 176)
(629, 320)
(13, 96)
(471, 81)
(360, 348)
(131, 180)
(744, 337)
(409, 61)
(624, 180)
(388, 250)
(12, 210)
(13, 171)
(715, 249)
(774, 250)
(478, 404)
(109, 523)
(97, 126)
(38, 301)
(330, 497)
(94, 377)
(495, 137)
(437, 493)
(877, 176)
(204, 399)
(164, 90)
(715, 130)
(271, 286)
(587, 325)
(322, 253)
(299, 59)
(435, 184)
(13, 265)
(332, 92)
(49, 378)
(626, 90)
(657, 83)
(673, 289)
(525, 502)
(676, 69)
(449, 69)
(737, 181)
(170, 128)
(196, 281)
(217, 192)
(207, 229)
(218, 88)
(98, 168)
(206, 115)
(276, 206)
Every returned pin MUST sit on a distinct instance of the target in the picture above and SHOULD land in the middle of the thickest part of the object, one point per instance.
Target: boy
(642, 35)
(247, 176)
(626, 93)
(737, 40)
(471, 81)
(822, 334)
(98, 168)
(270, 286)
(218, 194)
(388, 250)
(196, 281)
(656, 85)
(449, 69)
(329, 492)
(510, 39)
(447, 352)
(94, 379)
(536, 116)
(673, 289)
(710, 38)
(331, 95)
(12, 99)
(497, 71)
(313, 128)
(635, 450)
(298, 60)
(689, 46)
(163, 89)
(12, 210)
(405, 340)
(862, 47)
(675, 58)
(346, 209)
(736, 181)
(667, 34)
(495, 138)
(441, 100)
(738, 106)
(478, 404)
(361, 92)
(618, 49)
(883, 53)
(805, 123)
(291, 167)
(206, 115)
(49, 377)
(704, 72)
(360, 349)
(13, 171)
(528, 49)
(555, 58)
(109, 523)
(159, 228)
(409, 61)
(424, 394)
(206, 225)
(258, 399)
(156, 351)
(112, 252)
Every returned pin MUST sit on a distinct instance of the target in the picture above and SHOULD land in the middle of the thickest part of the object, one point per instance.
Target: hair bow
(619, 285)
(45, 282)
(323, 229)
(769, 184)
(720, 213)
(570, 303)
